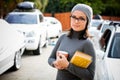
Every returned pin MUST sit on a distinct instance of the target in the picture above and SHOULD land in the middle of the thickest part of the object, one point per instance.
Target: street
(34, 67)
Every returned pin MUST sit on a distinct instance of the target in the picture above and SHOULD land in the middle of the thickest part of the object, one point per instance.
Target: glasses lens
(79, 19)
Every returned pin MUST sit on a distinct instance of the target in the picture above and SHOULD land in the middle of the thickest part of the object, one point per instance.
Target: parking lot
(34, 67)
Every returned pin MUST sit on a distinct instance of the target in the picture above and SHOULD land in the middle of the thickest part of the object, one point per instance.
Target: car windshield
(22, 19)
(115, 47)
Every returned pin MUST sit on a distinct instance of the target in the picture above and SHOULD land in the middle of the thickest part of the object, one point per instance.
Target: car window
(105, 39)
(115, 47)
(22, 19)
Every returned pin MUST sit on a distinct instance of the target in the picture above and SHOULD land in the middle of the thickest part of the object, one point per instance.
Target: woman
(76, 40)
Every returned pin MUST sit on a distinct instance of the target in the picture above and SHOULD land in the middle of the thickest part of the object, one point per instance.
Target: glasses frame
(78, 19)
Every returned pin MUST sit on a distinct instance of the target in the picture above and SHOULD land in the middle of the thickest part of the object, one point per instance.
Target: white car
(108, 59)
(105, 26)
(54, 27)
(95, 23)
(12, 47)
(30, 23)
(94, 31)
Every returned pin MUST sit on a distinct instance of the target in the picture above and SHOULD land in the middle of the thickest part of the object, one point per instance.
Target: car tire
(38, 51)
(17, 60)
(46, 44)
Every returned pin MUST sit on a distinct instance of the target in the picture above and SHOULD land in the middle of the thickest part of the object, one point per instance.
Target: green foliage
(40, 4)
(104, 7)
(44, 4)
(66, 5)
(112, 8)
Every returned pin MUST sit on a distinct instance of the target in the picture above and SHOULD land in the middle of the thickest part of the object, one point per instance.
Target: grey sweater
(73, 72)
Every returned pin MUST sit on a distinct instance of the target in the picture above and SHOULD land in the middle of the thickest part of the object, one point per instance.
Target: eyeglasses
(78, 19)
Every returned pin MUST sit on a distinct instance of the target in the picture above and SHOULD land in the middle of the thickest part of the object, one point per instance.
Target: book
(81, 59)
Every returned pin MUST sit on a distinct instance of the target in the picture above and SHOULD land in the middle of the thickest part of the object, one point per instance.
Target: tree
(7, 6)
(44, 4)
(66, 5)
(112, 7)
(104, 7)
(40, 4)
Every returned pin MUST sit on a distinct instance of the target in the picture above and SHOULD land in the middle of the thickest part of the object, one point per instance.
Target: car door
(113, 59)
(102, 67)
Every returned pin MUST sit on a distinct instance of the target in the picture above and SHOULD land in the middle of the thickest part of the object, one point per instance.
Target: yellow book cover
(81, 59)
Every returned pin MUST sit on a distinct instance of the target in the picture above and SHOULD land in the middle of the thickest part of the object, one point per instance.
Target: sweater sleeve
(53, 54)
(88, 73)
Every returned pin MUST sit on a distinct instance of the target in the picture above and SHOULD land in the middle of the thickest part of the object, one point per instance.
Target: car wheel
(37, 51)
(17, 60)
(46, 44)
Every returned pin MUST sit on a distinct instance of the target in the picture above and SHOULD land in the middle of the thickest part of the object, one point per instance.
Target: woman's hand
(61, 62)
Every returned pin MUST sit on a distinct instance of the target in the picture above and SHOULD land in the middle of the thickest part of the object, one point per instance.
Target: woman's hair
(82, 34)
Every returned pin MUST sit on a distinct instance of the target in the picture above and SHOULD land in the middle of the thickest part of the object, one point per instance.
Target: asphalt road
(34, 67)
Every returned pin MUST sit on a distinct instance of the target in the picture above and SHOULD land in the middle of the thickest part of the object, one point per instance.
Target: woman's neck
(77, 34)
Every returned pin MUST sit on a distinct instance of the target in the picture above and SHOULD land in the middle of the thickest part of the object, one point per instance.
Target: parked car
(94, 31)
(108, 60)
(105, 26)
(54, 26)
(30, 23)
(95, 23)
(97, 16)
(94, 27)
(12, 47)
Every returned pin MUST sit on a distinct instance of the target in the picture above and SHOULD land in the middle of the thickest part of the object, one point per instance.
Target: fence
(64, 18)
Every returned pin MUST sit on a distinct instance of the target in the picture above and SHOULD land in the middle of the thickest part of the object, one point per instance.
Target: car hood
(114, 67)
(27, 27)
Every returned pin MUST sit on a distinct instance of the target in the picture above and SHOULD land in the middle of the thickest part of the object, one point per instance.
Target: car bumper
(31, 44)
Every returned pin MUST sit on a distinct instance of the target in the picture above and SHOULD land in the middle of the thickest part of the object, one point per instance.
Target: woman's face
(78, 20)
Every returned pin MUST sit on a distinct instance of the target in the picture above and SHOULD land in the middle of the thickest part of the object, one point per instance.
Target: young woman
(76, 40)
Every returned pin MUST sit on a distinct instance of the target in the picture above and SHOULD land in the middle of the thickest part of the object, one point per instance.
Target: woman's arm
(52, 57)
(88, 73)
